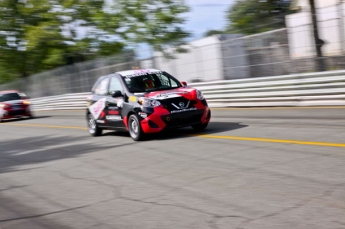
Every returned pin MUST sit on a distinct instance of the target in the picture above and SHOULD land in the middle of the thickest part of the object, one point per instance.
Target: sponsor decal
(141, 72)
(142, 114)
(170, 94)
(116, 112)
(100, 121)
(119, 102)
(132, 98)
(184, 110)
(113, 117)
(97, 108)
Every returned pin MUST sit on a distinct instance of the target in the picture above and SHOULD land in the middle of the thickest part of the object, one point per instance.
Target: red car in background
(14, 104)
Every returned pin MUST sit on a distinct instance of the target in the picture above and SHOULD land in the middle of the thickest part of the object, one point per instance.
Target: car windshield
(151, 81)
(9, 97)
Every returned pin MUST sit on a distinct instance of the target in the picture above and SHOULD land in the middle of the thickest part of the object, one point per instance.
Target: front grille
(16, 112)
(183, 119)
(169, 103)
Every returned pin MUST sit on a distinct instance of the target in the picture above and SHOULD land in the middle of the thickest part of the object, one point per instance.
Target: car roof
(137, 71)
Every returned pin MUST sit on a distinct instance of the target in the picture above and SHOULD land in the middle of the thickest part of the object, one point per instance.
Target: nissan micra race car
(144, 101)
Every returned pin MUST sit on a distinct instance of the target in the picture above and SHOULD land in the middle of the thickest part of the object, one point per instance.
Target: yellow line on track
(272, 140)
(238, 138)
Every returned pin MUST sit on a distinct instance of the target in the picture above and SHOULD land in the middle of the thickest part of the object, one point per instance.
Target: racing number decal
(132, 98)
(97, 108)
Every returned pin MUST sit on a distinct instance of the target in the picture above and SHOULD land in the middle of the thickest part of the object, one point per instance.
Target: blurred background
(53, 47)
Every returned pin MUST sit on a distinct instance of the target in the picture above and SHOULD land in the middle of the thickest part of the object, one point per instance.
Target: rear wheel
(135, 129)
(200, 126)
(93, 128)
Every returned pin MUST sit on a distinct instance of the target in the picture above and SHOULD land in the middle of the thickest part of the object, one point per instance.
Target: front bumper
(156, 122)
(9, 114)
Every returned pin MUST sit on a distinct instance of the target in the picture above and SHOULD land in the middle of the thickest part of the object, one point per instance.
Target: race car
(144, 101)
(14, 104)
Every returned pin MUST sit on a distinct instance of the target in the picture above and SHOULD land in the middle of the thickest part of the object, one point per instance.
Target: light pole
(318, 42)
(341, 27)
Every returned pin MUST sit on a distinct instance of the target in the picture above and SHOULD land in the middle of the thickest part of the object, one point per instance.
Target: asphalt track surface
(252, 168)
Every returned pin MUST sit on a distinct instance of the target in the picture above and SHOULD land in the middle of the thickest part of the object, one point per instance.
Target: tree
(255, 16)
(36, 35)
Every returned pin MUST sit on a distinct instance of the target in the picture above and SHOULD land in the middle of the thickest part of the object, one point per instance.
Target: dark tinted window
(9, 97)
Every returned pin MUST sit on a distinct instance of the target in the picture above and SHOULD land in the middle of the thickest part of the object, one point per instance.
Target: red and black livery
(144, 101)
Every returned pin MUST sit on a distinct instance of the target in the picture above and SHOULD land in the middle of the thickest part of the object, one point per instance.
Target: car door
(97, 102)
(114, 104)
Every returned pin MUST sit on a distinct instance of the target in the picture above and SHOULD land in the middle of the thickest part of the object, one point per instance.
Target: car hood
(188, 93)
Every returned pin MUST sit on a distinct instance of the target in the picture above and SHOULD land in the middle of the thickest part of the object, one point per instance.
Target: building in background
(203, 60)
(228, 56)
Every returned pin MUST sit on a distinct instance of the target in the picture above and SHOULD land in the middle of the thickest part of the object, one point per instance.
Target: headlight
(145, 102)
(199, 95)
(26, 102)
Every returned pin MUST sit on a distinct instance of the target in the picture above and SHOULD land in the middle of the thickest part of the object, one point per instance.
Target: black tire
(200, 126)
(135, 130)
(93, 128)
(31, 116)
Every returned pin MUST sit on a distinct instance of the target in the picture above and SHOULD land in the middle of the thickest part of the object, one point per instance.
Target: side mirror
(184, 83)
(115, 94)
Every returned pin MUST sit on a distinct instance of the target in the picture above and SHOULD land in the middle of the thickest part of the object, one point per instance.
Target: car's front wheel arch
(93, 127)
(134, 127)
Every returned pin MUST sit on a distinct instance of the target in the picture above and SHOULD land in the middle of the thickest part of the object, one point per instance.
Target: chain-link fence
(70, 79)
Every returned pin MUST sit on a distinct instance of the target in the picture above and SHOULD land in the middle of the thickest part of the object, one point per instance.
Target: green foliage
(256, 16)
(38, 35)
(154, 22)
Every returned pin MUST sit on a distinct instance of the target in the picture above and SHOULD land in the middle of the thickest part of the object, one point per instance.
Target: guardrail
(312, 89)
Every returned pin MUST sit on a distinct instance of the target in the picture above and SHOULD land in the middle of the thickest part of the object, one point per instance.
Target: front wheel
(31, 115)
(93, 128)
(135, 129)
(199, 127)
